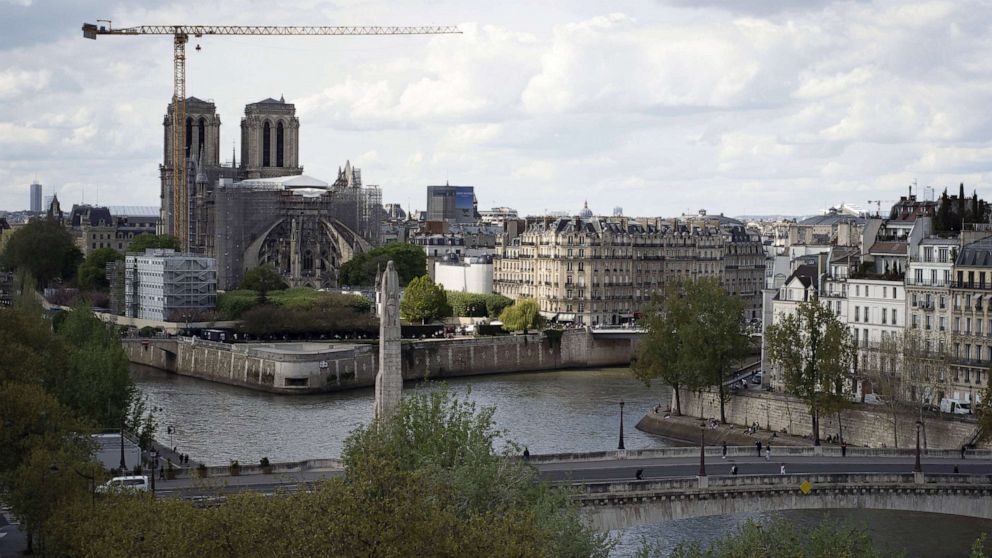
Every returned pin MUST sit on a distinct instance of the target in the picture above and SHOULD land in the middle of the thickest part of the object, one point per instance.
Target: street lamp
(918, 468)
(154, 470)
(620, 445)
(123, 464)
(702, 449)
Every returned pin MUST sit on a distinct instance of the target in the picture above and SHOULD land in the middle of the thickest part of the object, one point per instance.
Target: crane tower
(181, 33)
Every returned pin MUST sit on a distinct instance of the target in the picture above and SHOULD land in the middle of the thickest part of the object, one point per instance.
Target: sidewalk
(686, 428)
(13, 542)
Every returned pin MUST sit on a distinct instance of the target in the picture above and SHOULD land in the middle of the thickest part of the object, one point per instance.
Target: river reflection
(549, 412)
(915, 534)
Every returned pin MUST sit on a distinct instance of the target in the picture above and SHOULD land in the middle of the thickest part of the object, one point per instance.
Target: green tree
(714, 339)
(524, 315)
(423, 301)
(780, 537)
(143, 242)
(92, 273)
(473, 305)
(43, 248)
(661, 354)
(983, 410)
(815, 352)
(263, 279)
(410, 262)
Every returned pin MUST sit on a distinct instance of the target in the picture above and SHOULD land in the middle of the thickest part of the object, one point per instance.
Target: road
(610, 470)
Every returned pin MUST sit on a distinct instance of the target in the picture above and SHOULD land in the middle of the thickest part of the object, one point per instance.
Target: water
(550, 412)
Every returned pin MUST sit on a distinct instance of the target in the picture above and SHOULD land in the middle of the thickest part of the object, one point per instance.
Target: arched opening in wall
(307, 260)
(280, 157)
(189, 137)
(266, 143)
(201, 133)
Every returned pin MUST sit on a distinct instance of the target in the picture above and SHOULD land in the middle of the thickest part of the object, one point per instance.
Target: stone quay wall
(862, 425)
(321, 367)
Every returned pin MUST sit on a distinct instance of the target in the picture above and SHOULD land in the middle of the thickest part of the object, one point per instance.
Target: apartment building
(970, 348)
(604, 270)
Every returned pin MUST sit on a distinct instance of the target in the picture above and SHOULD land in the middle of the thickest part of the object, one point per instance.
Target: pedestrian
(768, 452)
(843, 449)
(161, 473)
(174, 449)
(733, 469)
(724, 449)
(781, 469)
(758, 445)
(962, 451)
(639, 474)
(526, 453)
(956, 470)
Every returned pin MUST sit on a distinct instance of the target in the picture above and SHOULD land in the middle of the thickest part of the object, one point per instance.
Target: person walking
(758, 445)
(733, 469)
(843, 449)
(724, 449)
(781, 469)
(963, 448)
(526, 453)
(768, 452)
(639, 474)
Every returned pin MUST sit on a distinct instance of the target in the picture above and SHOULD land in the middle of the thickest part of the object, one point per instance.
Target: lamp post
(620, 445)
(918, 468)
(123, 464)
(154, 470)
(702, 449)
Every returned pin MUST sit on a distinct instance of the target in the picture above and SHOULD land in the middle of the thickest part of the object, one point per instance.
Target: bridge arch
(618, 505)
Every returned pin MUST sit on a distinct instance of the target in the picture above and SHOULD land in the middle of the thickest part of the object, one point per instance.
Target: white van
(955, 406)
(137, 483)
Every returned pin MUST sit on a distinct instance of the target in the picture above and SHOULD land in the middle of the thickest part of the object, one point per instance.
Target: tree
(263, 279)
(714, 338)
(410, 262)
(93, 272)
(428, 482)
(143, 242)
(44, 249)
(660, 353)
(983, 410)
(815, 351)
(780, 537)
(473, 305)
(423, 301)
(524, 315)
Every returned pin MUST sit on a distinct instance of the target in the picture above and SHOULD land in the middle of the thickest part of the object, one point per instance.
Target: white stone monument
(389, 379)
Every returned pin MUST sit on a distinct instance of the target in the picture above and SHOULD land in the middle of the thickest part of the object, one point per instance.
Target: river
(549, 412)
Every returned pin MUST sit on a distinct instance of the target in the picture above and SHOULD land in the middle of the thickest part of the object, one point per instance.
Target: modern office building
(455, 204)
(36, 206)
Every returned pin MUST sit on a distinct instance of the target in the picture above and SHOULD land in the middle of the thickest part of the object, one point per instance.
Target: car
(119, 485)
(756, 379)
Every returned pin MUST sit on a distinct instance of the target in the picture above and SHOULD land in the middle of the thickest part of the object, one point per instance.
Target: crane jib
(90, 30)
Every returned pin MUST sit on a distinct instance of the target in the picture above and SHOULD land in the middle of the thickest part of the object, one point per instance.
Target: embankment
(323, 367)
(862, 425)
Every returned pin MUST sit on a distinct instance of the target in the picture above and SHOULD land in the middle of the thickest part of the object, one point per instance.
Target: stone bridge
(615, 505)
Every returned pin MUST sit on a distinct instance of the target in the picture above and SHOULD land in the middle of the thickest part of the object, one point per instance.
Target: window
(885, 313)
(913, 299)
(895, 292)
(857, 313)
(929, 322)
(943, 323)
(967, 325)
(915, 322)
(895, 320)
(957, 325)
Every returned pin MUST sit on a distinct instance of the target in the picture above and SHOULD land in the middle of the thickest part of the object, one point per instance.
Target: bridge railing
(791, 481)
(751, 451)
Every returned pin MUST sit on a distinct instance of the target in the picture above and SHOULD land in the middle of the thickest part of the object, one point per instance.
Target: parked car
(134, 483)
(955, 406)
(756, 379)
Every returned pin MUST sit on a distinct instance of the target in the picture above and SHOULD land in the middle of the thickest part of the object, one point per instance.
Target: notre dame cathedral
(264, 210)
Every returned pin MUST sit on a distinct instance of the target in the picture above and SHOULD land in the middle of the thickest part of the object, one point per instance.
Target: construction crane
(181, 35)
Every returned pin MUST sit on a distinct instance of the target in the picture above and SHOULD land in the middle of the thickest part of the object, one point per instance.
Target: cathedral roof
(290, 182)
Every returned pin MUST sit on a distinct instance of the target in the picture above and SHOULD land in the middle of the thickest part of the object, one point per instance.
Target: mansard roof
(976, 254)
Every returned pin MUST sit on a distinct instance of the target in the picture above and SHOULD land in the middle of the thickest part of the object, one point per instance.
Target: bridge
(670, 487)
(616, 505)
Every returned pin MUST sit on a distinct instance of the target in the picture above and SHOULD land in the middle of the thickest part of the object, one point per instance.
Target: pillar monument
(389, 379)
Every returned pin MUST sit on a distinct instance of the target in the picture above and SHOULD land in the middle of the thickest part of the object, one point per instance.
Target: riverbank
(686, 429)
(321, 367)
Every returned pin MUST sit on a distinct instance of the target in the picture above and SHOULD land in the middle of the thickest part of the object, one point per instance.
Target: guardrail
(750, 451)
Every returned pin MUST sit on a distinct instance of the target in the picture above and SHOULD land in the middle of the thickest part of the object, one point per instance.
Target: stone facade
(604, 270)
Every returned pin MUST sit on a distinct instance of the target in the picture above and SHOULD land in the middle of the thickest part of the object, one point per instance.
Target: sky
(660, 107)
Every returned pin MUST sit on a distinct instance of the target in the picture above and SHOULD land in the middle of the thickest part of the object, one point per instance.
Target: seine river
(549, 412)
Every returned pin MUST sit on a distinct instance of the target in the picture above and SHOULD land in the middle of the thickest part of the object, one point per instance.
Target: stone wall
(861, 425)
(353, 366)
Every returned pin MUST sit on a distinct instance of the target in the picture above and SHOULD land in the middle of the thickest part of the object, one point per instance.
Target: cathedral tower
(202, 140)
(270, 141)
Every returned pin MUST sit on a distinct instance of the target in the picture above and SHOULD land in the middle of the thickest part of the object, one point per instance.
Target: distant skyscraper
(452, 203)
(36, 198)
